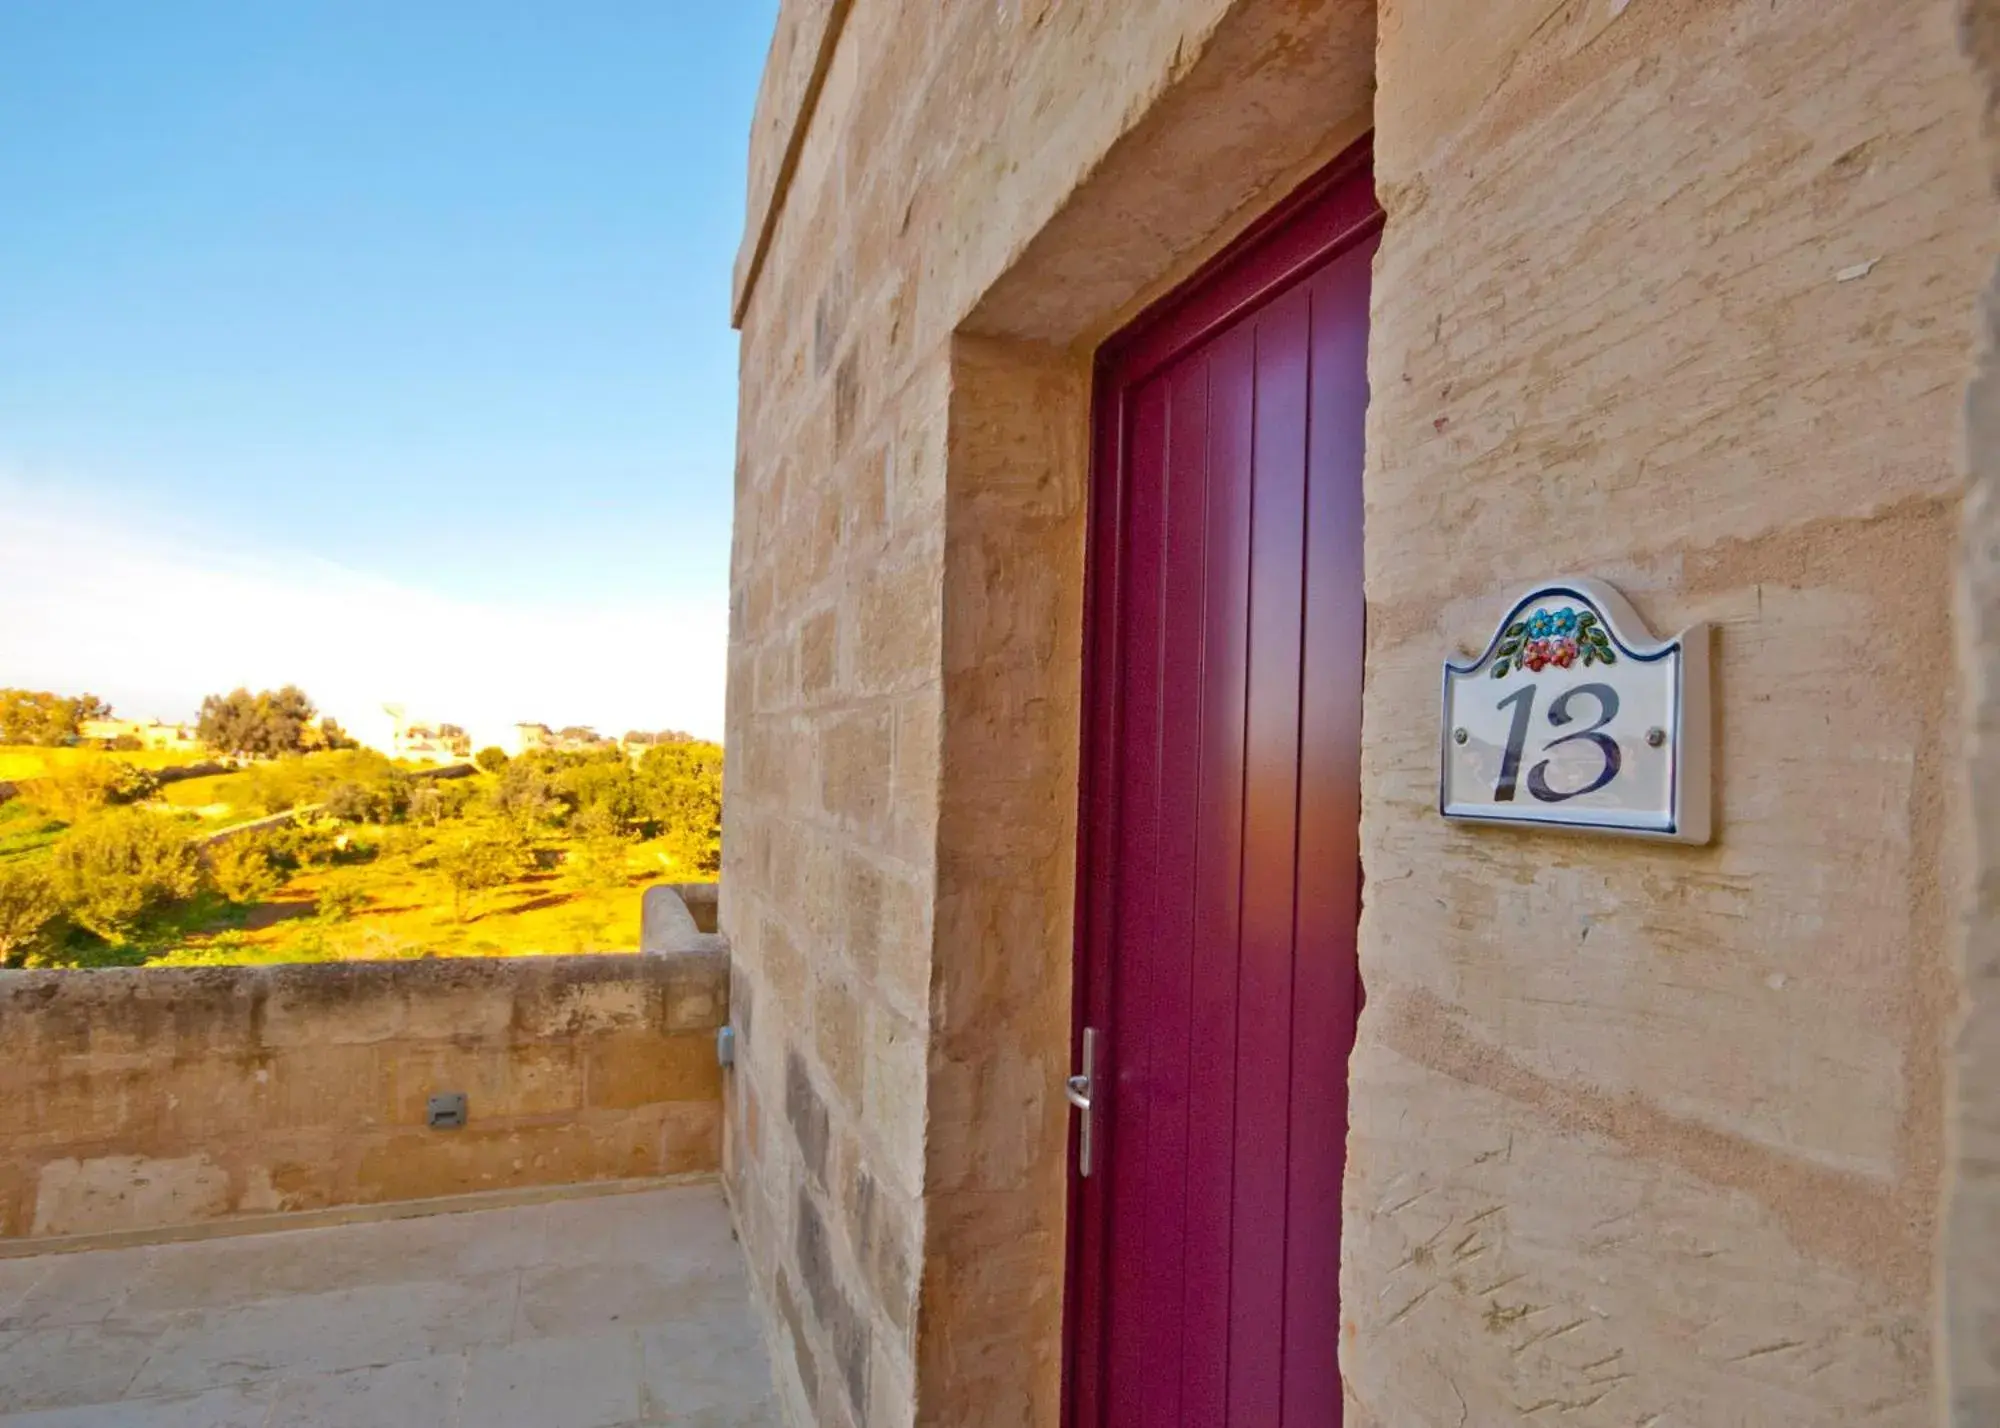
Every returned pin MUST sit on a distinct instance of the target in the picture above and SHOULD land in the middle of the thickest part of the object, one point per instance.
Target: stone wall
(1972, 1242)
(161, 1097)
(1641, 1132)
(904, 654)
(1676, 293)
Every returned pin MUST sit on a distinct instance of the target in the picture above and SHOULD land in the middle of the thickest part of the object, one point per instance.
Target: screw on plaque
(1656, 736)
(1459, 736)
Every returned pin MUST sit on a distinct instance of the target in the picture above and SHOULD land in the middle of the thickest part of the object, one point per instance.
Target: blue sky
(411, 317)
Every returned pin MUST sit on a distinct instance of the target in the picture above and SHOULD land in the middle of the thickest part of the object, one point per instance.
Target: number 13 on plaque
(1575, 717)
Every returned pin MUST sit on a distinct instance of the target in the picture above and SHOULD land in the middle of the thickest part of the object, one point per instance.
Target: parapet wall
(154, 1098)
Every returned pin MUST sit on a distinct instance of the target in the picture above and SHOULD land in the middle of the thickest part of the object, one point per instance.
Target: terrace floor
(592, 1312)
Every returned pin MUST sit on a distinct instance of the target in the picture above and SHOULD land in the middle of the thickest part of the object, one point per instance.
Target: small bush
(74, 793)
(121, 867)
(341, 898)
(243, 870)
(299, 844)
(352, 803)
(30, 913)
(491, 759)
(375, 789)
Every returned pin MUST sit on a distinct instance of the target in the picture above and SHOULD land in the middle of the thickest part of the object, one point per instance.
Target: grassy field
(408, 913)
(389, 898)
(225, 793)
(22, 761)
(25, 830)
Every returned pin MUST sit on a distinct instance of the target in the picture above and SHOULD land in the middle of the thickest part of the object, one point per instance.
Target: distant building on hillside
(425, 743)
(637, 741)
(151, 734)
(574, 739)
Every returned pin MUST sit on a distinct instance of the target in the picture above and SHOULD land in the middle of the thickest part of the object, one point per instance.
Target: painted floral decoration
(1553, 637)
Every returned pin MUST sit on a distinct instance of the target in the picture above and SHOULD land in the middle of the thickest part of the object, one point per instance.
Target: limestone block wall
(1682, 295)
(905, 656)
(1676, 292)
(154, 1098)
(1971, 1244)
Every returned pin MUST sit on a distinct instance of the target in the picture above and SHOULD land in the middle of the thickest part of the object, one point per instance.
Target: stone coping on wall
(680, 917)
(802, 48)
(153, 1098)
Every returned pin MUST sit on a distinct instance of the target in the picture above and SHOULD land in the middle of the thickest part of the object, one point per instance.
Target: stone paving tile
(703, 1366)
(222, 1273)
(567, 1299)
(688, 1232)
(324, 1333)
(418, 1392)
(68, 1365)
(753, 1415)
(219, 1408)
(585, 1313)
(17, 1277)
(81, 1288)
(590, 1381)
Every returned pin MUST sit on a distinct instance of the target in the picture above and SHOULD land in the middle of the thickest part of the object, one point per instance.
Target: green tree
(491, 759)
(262, 725)
(433, 800)
(376, 792)
(645, 739)
(680, 792)
(601, 783)
(123, 866)
(527, 792)
(340, 898)
(599, 860)
(353, 802)
(481, 858)
(30, 910)
(326, 737)
(32, 716)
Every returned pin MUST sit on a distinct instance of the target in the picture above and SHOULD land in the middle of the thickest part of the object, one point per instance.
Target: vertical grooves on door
(1200, 831)
(1163, 562)
(1227, 511)
(1298, 809)
(1268, 1009)
(1242, 859)
(1132, 1024)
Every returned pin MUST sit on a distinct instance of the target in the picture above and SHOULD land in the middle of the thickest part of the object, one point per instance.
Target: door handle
(1081, 1092)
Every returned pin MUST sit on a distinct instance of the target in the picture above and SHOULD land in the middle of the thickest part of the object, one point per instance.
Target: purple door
(1221, 867)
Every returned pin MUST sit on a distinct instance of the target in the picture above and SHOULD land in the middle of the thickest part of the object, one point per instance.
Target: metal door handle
(1080, 1090)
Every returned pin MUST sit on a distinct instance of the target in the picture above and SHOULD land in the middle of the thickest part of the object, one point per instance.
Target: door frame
(1324, 217)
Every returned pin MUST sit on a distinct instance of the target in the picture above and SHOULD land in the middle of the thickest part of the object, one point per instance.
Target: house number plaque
(1576, 717)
